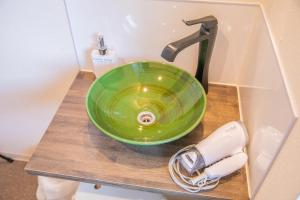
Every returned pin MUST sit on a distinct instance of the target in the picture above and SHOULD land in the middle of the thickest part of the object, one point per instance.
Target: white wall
(283, 180)
(266, 107)
(138, 29)
(37, 65)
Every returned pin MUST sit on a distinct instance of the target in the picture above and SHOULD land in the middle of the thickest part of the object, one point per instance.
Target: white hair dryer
(220, 154)
(227, 140)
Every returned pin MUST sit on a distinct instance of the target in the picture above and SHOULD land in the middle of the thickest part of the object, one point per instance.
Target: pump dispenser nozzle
(101, 45)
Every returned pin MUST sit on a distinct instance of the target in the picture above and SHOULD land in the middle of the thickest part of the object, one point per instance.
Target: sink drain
(146, 118)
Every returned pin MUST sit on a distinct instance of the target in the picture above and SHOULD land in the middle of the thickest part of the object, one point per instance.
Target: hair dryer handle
(226, 166)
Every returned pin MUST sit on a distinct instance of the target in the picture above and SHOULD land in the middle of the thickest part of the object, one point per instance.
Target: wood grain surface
(72, 148)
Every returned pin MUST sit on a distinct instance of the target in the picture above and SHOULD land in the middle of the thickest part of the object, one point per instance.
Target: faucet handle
(208, 21)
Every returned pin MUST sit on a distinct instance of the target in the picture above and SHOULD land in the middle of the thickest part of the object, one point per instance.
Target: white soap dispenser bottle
(104, 59)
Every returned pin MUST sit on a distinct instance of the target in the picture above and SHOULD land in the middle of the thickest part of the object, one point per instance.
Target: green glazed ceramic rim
(134, 142)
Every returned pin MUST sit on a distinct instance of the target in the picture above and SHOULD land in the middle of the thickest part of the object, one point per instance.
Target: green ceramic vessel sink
(146, 103)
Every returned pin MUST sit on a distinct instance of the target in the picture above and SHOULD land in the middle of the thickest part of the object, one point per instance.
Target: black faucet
(206, 37)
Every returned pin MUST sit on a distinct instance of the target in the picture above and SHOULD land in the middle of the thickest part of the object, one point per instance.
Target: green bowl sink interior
(146, 103)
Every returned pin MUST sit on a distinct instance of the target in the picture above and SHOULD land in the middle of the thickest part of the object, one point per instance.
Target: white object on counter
(209, 178)
(104, 59)
(228, 139)
(223, 167)
(104, 63)
(56, 189)
(223, 142)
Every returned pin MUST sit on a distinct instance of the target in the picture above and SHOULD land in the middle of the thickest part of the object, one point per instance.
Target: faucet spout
(171, 50)
(206, 38)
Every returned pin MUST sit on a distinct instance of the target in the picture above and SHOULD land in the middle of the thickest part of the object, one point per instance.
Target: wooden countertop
(72, 148)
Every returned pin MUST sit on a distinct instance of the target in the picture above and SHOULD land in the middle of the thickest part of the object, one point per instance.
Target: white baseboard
(221, 83)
